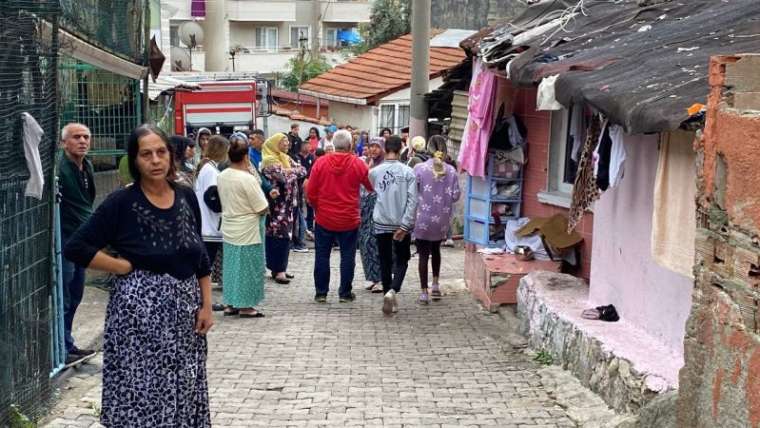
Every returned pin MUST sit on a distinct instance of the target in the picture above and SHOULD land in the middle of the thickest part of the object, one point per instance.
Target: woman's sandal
(371, 287)
(256, 315)
(289, 276)
(230, 312)
(281, 281)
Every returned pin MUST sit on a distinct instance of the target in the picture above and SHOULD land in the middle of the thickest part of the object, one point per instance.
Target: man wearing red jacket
(333, 192)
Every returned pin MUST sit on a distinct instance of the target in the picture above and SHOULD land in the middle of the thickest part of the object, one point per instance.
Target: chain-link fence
(28, 63)
(110, 106)
(114, 25)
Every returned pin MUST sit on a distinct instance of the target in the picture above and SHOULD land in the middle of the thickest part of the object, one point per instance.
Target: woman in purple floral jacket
(437, 190)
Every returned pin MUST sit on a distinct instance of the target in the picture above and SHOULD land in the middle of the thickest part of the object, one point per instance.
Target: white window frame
(263, 30)
(557, 191)
(290, 35)
(396, 128)
(331, 42)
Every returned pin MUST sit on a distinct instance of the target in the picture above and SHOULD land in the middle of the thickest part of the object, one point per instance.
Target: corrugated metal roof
(377, 73)
(642, 66)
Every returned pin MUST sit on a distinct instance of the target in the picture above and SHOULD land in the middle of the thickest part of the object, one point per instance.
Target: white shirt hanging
(546, 98)
(32, 135)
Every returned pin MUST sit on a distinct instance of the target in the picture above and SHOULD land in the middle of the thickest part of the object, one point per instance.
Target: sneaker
(347, 299)
(389, 302)
(449, 243)
(435, 291)
(424, 298)
(320, 299)
(300, 250)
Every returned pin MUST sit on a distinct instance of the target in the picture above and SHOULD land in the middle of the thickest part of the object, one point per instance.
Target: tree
(388, 20)
(302, 68)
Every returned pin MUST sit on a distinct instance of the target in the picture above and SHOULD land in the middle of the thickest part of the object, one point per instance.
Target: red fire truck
(221, 106)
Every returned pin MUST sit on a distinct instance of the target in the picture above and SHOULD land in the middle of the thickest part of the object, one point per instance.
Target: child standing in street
(393, 216)
(438, 189)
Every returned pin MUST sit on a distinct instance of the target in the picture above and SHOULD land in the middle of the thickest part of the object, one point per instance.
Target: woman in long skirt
(367, 241)
(244, 208)
(283, 172)
(154, 355)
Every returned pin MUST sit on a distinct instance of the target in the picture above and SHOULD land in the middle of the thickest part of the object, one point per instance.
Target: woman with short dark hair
(154, 352)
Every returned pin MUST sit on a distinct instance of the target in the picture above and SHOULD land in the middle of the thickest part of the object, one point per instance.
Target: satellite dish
(181, 60)
(191, 34)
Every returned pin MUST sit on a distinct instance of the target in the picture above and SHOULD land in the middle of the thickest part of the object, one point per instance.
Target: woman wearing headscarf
(159, 310)
(367, 241)
(437, 190)
(244, 208)
(283, 173)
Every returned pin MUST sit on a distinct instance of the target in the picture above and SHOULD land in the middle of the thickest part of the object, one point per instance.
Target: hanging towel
(546, 100)
(674, 214)
(32, 136)
(480, 118)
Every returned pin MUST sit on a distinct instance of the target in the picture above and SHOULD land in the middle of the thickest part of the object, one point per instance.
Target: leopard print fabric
(585, 189)
(154, 364)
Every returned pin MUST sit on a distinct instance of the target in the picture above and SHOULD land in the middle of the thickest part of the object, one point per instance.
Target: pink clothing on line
(477, 131)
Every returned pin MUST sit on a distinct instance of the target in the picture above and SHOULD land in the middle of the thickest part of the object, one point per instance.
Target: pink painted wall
(623, 272)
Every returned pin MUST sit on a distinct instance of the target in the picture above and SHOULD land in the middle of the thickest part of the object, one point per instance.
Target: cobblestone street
(345, 364)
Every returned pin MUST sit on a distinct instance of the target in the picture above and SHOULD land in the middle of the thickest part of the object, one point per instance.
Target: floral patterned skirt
(367, 241)
(154, 364)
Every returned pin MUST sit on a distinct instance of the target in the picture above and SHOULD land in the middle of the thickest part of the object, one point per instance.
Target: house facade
(265, 35)
(372, 91)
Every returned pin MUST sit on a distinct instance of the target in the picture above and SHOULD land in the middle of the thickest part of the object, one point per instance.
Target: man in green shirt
(77, 190)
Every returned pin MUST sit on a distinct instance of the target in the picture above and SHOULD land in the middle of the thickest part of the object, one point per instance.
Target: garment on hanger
(480, 118)
(577, 126)
(32, 136)
(585, 190)
(610, 157)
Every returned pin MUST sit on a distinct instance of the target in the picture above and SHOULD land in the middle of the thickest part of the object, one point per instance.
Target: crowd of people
(225, 209)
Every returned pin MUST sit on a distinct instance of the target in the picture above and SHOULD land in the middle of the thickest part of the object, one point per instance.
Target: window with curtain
(299, 37)
(387, 117)
(266, 38)
(403, 117)
(331, 37)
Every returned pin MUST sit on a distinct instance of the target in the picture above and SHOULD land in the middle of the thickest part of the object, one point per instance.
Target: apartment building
(265, 35)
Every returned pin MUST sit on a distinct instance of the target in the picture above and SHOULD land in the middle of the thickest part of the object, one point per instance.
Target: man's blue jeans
(73, 290)
(323, 243)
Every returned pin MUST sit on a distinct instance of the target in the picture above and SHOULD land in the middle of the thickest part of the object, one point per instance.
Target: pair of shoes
(448, 243)
(424, 298)
(230, 311)
(300, 250)
(346, 299)
(436, 292)
(320, 299)
(390, 304)
(217, 307)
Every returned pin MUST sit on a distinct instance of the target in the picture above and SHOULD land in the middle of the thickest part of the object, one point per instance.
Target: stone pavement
(449, 364)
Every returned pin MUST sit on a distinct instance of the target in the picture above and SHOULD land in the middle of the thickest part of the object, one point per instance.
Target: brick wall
(538, 124)
(720, 383)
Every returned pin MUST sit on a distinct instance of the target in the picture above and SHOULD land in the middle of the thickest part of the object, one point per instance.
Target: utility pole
(215, 27)
(420, 67)
(316, 19)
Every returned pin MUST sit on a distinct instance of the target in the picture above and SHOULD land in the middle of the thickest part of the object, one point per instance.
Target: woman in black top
(154, 360)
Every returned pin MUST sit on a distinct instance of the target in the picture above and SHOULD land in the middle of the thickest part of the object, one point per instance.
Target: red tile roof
(378, 72)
